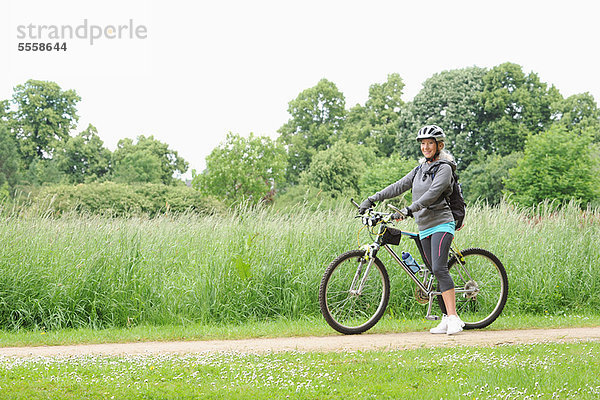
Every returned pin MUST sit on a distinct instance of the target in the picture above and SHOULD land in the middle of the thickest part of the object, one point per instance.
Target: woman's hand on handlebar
(397, 216)
(365, 205)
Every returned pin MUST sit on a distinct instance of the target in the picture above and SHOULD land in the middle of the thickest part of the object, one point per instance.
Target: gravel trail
(389, 341)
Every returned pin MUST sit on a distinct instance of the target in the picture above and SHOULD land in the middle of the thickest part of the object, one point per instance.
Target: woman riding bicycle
(431, 184)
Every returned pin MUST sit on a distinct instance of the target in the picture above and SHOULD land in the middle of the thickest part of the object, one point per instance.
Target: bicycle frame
(426, 284)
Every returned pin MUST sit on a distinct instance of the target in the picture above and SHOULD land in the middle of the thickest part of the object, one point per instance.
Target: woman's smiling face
(429, 148)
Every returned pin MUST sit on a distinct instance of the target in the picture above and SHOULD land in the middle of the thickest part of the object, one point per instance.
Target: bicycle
(355, 287)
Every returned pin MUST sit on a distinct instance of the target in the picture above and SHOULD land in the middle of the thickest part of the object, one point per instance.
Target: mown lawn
(543, 371)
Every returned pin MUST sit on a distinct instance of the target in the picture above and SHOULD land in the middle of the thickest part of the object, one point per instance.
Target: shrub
(556, 165)
(485, 180)
(121, 199)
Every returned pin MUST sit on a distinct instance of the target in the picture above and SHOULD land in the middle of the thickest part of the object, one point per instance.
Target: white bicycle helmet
(431, 132)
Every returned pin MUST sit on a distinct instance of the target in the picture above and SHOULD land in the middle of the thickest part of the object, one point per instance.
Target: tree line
(511, 134)
(37, 148)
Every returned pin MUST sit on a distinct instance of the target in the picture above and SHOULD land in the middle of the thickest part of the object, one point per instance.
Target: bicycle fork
(357, 281)
(369, 256)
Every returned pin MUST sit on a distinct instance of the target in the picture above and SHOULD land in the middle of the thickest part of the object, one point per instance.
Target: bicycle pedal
(432, 317)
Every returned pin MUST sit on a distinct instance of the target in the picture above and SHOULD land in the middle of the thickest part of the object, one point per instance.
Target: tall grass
(255, 264)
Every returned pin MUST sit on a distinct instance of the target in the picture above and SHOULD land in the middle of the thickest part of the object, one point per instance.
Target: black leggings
(436, 249)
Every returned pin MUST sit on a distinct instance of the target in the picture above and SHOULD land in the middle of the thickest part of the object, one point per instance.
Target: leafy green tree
(449, 99)
(43, 172)
(243, 168)
(556, 164)
(9, 161)
(384, 172)
(513, 105)
(148, 160)
(484, 180)
(317, 118)
(139, 166)
(4, 110)
(44, 116)
(376, 123)
(357, 126)
(580, 113)
(84, 158)
(337, 169)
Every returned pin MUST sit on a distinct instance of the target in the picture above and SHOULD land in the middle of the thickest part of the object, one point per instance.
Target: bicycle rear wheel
(484, 278)
(346, 309)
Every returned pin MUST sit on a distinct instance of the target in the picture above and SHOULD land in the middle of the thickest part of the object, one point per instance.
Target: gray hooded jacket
(429, 195)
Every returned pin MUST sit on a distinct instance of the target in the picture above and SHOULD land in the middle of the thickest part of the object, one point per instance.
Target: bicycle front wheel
(353, 295)
(481, 287)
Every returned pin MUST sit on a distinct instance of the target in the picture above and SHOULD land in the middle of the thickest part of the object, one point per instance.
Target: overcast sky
(209, 67)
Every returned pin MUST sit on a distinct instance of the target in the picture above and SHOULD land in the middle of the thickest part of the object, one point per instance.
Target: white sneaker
(442, 327)
(454, 325)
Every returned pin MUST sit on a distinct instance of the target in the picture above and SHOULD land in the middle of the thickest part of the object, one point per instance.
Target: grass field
(546, 371)
(256, 265)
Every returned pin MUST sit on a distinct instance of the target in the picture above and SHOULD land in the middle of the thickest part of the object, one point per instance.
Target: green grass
(277, 328)
(260, 264)
(543, 371)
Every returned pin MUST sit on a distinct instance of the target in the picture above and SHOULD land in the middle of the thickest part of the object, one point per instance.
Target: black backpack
(455, 200)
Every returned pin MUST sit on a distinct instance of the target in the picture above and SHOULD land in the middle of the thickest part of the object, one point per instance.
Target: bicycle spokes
(480, 285)
(354, 292)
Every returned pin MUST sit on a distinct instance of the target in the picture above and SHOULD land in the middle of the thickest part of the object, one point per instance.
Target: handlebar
(372, 217)
(396, 209)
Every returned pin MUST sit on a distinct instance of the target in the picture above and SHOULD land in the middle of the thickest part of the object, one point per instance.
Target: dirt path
(389, 341)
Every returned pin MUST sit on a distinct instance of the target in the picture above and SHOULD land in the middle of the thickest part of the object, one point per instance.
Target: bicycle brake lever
(394, 208)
